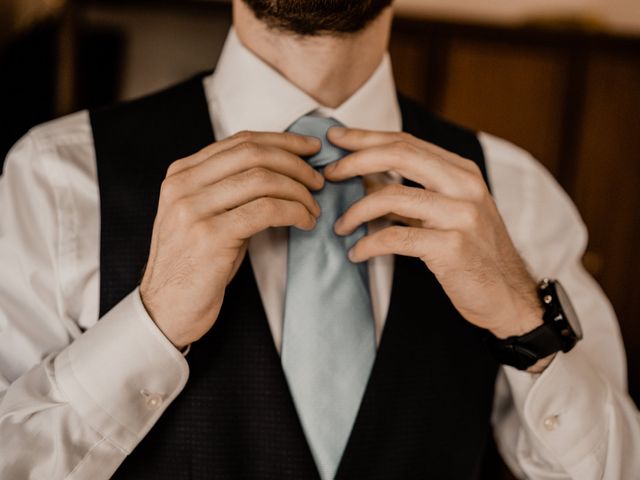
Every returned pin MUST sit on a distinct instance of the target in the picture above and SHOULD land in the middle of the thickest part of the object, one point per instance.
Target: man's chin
(317, 17)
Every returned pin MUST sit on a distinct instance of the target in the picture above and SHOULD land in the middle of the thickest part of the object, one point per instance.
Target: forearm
(85, 408)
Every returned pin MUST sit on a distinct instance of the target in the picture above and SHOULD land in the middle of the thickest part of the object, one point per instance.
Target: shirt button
(152, 400)
(550, 423)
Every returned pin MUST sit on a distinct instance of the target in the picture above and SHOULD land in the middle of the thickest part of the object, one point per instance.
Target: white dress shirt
(74, 404)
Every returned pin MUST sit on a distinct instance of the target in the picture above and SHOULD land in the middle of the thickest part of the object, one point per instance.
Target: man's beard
(317, 17)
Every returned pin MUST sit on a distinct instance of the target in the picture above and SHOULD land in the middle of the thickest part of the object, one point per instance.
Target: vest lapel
(133, 152)
(409, 362)
(236, 418)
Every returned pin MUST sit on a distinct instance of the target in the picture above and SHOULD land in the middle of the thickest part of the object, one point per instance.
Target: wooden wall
(568, 95)
(571, 98)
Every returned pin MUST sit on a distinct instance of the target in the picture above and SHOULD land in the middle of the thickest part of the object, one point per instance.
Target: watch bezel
(569, 312)
(559, 313)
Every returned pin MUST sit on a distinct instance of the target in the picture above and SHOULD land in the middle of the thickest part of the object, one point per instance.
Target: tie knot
(317, 127)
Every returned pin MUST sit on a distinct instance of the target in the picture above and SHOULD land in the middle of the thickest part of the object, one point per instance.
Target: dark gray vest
(426, 410)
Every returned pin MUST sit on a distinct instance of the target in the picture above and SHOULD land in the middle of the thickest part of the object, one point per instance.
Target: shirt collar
(245, 93)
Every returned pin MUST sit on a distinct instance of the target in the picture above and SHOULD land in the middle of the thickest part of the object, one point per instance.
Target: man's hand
(452, 225)
(210, 204)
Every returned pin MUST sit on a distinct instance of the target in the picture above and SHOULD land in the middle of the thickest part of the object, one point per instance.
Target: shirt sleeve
(576, 419)
(74, 401)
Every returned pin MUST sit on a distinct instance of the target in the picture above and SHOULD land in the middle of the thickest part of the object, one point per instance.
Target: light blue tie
(328, 344)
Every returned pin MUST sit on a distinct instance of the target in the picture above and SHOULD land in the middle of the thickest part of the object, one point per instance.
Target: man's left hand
(454, 228)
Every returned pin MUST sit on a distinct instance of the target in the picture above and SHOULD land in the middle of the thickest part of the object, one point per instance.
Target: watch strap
(524, 351)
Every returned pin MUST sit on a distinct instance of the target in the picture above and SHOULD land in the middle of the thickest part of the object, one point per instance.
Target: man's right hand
(210, 204)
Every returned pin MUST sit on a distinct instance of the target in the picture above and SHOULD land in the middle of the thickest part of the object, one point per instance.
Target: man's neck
(328, 68)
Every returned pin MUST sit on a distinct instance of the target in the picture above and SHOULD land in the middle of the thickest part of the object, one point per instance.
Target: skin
(330, 68)
(213, 202)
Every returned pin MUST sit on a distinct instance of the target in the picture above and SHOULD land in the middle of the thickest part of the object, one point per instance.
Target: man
(377, 263)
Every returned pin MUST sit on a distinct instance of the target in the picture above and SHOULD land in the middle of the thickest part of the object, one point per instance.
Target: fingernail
(313, 224)
(319, 179)
(337, 132)
(330, 168)
(337, 226)
(351, 255)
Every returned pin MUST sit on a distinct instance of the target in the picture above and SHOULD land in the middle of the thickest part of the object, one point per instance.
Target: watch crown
(547, 299)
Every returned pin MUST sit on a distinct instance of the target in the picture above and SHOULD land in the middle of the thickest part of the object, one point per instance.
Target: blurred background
(560, 78)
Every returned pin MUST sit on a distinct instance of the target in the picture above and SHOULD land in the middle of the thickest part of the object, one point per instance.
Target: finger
(353, 139)
(431, 209)
(293, 143)
(421, 166)
(253, 217)
(244, 157)
(408, 241)
(246, 186)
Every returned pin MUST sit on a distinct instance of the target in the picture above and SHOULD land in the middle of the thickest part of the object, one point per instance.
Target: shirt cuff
(122, 374)
(564, 407)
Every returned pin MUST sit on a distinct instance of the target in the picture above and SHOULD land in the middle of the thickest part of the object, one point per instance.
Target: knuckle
(436, 160)
(399, 240)
(259, 175)
(427, 195)
(170, 189)
(245, 216)
(409, 194)
(265, 206)
(476, 187)
(403, 147)
(388, 237)
(396, 236)
(406, 137)
(414, 194)
(174, 167)
(473, 167)
(393, 190)
(408, 238)
(304, 196)
(403, 153)
(249, 148)
(243, 136)
(299, 211)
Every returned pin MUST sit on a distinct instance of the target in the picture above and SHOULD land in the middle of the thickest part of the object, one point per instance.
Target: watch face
(569, 312)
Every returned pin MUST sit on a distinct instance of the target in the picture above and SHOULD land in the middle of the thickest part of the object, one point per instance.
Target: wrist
(173, 337)
(531, 341)
(520, 324)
